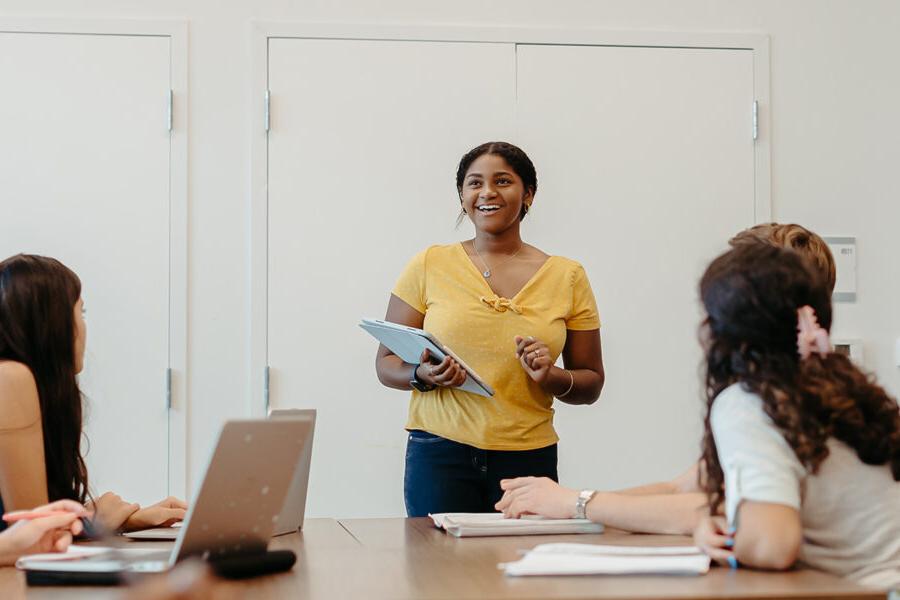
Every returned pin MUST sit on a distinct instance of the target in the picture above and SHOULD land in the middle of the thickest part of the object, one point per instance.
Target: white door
(364, 142)
(85, 179)
(645, 159)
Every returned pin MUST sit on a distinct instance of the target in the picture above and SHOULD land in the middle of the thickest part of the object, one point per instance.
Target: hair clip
(811, 337)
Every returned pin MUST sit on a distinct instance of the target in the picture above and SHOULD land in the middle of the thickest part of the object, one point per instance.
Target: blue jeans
(446, 476)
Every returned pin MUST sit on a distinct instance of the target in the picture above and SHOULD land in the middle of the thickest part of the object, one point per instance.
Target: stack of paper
(590, 559)
(487, 524)
(74, 552)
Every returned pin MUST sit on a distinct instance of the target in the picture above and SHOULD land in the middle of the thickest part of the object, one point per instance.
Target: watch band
(584, 496)
(417, 384)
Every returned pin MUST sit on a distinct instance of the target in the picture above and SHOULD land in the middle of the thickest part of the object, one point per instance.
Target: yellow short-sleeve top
(467, 316)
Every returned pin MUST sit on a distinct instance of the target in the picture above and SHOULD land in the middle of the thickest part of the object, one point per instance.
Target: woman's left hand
(534, 356)
(715, 539)
(536, 496)
(164, 513)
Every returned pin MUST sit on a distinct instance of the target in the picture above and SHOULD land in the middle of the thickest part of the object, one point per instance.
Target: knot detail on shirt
(501, 304)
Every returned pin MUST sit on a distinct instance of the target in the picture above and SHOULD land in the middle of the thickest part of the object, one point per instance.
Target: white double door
(645, 165)
(84, 178)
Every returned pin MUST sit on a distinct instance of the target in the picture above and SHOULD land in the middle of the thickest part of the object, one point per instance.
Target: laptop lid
(233, 514)
(243, 490)
(291, 517)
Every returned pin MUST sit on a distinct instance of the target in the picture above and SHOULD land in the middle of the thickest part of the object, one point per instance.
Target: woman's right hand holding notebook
(447, 373)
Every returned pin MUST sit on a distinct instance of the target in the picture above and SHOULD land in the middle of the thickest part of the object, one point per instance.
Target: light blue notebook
(408, 343)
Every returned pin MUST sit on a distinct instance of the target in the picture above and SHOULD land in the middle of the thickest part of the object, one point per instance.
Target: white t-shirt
(850, 511)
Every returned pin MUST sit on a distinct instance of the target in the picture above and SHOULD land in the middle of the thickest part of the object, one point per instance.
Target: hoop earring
(461, 217)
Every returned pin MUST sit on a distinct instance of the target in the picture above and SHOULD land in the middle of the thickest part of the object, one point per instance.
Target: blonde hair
(796, 237)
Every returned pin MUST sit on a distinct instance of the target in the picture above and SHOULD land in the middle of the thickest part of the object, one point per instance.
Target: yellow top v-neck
(465, 314)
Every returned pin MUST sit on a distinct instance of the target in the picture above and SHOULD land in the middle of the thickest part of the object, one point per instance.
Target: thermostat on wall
(843, 249)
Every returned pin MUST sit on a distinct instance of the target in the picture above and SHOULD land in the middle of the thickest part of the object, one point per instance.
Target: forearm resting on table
(654, 513)
(651, 489)
(687, 482)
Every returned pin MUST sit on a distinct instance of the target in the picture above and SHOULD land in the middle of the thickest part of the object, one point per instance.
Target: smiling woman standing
(509, 310)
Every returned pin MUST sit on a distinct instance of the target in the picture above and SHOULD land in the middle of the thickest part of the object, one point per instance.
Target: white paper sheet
(589, 559)
(74, 552)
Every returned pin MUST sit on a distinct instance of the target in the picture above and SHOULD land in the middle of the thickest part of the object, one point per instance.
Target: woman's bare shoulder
(19, 401)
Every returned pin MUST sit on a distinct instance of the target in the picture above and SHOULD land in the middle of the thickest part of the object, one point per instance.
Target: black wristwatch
(417, 384)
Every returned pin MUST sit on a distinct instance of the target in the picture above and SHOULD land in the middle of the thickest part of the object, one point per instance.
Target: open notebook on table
(593, 559)
(490, 524)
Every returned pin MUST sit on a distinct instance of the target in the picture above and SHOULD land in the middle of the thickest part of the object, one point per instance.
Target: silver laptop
(291, 517)
(236, 509)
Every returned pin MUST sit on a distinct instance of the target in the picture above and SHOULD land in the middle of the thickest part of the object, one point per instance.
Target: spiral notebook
(493, 524)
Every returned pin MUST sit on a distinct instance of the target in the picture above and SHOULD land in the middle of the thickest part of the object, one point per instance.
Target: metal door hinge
(169, 389)
(266, 388)
(170, 111)
(755, 119)
(268, 104)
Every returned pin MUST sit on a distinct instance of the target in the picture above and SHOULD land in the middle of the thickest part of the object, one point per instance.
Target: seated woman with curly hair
(801, 447)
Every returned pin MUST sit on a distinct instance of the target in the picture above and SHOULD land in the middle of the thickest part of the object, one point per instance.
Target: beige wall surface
(835, 89)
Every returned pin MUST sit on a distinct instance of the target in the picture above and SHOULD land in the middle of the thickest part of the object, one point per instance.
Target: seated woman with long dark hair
(801, 448)
(42, 341)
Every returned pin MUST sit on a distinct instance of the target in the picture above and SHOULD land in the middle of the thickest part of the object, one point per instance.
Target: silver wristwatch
(584, 496)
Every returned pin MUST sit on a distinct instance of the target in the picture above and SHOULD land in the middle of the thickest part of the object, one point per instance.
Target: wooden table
(408, 558)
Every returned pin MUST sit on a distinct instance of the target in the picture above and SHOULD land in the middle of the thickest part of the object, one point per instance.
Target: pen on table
(37, 514)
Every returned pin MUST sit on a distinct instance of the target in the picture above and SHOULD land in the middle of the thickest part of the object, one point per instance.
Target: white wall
(835, 89)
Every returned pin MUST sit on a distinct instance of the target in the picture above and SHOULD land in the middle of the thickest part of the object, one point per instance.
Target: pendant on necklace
(487, 273)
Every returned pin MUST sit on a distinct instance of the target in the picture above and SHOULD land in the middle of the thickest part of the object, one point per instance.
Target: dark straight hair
(37, 328)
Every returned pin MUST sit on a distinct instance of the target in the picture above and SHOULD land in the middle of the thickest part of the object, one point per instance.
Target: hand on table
(536, 496)
(164, 513)
(714, 538)
(111, 512)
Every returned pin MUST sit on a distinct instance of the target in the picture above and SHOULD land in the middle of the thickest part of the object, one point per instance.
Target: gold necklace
(487, 269)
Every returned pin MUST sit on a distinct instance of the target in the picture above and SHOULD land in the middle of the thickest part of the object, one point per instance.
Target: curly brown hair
(791, 235)
(751, 295)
